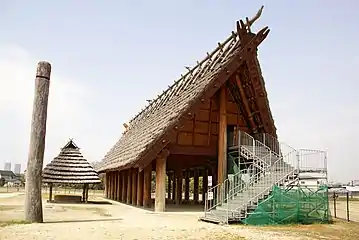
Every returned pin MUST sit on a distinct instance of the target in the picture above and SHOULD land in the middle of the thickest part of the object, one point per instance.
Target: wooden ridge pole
(33, 198)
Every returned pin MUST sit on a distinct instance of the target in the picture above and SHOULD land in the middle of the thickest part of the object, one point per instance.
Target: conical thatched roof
(70, 167)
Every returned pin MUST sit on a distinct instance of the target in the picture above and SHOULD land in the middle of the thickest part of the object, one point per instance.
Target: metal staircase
(267, 163)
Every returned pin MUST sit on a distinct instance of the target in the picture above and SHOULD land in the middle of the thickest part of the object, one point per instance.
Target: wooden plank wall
(202, 129)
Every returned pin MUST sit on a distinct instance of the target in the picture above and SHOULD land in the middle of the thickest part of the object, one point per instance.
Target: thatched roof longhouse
(70, 167)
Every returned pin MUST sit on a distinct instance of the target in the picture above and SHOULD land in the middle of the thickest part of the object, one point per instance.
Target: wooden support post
(160, 199)
(115, 184)
(106, 184)
(169, 179)
(140, 188)
(86, 192)
(119, 186)
(204, 183)
(50, 192)
(195, 187)
(124, 186)
(129, 186)
(222, 135)
(179, 180)
(174, 186)
(134, 186)
(186, 185)
(147, 186)
(33, 197)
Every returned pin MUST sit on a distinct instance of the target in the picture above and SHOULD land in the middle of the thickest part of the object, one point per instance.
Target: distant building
(7, 166)
(17, 168)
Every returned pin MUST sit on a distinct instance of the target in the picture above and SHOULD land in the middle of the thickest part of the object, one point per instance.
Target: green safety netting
(297, 204)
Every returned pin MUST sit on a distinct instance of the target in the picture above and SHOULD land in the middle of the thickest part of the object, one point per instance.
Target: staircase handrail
(255, 177)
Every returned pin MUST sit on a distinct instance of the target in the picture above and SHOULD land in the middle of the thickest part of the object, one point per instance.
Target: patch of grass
(12, 222)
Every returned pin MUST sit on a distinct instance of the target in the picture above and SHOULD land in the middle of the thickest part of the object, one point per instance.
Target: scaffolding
(292, 205)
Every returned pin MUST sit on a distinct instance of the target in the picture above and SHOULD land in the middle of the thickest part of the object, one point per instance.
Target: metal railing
(261, 183)
(270, 141)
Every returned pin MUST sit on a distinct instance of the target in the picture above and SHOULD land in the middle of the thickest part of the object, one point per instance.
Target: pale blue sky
(108, 57)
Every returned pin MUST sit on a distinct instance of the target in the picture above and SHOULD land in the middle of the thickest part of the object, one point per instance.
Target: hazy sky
(108, 57)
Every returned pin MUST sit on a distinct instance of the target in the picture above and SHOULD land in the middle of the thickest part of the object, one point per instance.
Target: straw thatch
(70, 167)
(162, 114)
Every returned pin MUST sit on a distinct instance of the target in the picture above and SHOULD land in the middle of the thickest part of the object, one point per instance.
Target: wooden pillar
(140, 188)
(113, 188)
(33, 197)
(174, 186)
(106, 184)
(109, 185)
(50, 192)
(134, 186)
(169, 179)
(179, 180)
(124, 186)
(129, 186)
(204, 183)
(222, 135)
(160, 199)
(115, 184)
(147, 186)
(186, 185)
(119, 186)
(195, 186)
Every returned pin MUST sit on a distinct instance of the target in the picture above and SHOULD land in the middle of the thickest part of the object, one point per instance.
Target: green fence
(297, 204)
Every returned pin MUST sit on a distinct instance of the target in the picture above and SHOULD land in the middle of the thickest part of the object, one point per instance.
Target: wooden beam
(174, 176)
(195, 187)
(186, 185)
(106, 184)
(179, 179)
(176, 149)
(205, 183)
(124, 186)
(140, 188)
(169, 185)
(33, 197)
(147, 186)
(134, 186)
(222, 135)
(129, 186)
(160, 199)
(119, 186)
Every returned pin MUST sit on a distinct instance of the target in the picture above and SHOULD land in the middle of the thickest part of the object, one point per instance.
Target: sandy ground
(119, 221)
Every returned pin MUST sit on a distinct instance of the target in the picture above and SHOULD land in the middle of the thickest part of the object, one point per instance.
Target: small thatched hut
(70, 167)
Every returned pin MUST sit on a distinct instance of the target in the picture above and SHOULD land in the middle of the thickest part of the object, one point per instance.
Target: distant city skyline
(17, 168)
(7, 166)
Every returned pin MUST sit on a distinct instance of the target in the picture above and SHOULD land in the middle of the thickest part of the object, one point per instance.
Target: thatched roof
(153, 125)
(70, 167)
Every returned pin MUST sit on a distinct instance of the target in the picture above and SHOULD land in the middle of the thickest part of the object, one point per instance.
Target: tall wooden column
(124, 186)
(106, 184)
(186, 185)
(147, 175)
(160, 199)
(179, 180)
(195, 186)
(174, 186)
(222, 136)
(111, 185)
(204, 183)
(115, 184)
(134, 186)
(169, 186)
(119, 186)
(129, 186)
(140, 188)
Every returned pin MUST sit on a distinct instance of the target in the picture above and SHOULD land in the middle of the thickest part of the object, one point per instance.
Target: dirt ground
(119, 221)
